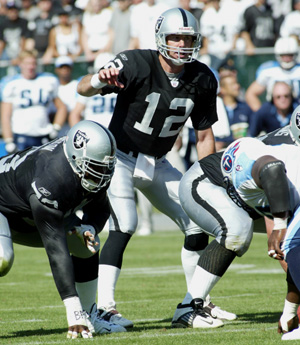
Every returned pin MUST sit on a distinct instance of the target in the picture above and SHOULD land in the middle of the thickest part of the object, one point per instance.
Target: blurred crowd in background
(35, 34)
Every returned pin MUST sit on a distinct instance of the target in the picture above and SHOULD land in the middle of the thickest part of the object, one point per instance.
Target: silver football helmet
(181, 22)
(90, 149)
(286, 46)
(295, 125)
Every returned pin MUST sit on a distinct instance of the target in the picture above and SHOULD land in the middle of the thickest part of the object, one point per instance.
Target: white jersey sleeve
(244, 152)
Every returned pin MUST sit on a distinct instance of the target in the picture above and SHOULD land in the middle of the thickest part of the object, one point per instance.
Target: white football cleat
(294, 335)
(218, 313)
(193, 316)
(112, 315)
(99, 325)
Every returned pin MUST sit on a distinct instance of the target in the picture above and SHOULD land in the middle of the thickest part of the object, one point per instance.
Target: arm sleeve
(49, 223)
(97, 213)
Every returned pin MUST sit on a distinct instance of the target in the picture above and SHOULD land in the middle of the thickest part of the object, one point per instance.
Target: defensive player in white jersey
(285, 69)
(26, 99)
(157, 91)
(267, 179)
(216, 207)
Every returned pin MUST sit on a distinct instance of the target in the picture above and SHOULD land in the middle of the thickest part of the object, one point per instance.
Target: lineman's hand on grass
(274, 242)
(79, 331)
(86, 234)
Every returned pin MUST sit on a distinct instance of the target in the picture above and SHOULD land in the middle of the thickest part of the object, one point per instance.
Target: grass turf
(150, 286)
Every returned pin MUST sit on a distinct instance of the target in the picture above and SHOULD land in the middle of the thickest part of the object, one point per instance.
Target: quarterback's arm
(49, 223)
(91, 84)
(205, 142)
(252, 95)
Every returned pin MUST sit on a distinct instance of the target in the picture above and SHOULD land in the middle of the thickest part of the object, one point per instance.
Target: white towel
(144, 167)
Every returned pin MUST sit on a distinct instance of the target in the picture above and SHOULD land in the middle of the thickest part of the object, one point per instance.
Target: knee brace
(196, 242)
(6, 255)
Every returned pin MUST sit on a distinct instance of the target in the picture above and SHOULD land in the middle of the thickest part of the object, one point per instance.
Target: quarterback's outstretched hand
(110, 77)
(79, 330)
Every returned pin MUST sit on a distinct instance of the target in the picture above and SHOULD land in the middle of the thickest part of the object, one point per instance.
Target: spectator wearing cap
(64, 39)
(67, 90)
(14, 33)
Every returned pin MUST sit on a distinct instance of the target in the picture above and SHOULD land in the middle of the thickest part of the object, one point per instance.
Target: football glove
(86, 234)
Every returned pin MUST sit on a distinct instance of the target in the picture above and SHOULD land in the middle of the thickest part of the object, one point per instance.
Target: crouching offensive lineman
(41, 188)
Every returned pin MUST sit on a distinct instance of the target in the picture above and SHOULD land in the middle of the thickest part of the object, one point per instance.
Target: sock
(189, 261)
(87, 293)
(107, 281)
(201, 284)
(289, 310)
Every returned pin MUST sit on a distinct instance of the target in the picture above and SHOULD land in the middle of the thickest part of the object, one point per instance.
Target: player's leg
(211, 209)
(6, 247)
(122, 225)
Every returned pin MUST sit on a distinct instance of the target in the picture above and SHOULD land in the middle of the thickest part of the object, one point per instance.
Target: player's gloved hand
(55, 128)
(10, 146)
(76, 319)
(274, 244)
(86, 234)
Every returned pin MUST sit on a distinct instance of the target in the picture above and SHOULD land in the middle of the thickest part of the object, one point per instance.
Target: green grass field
(150, 286)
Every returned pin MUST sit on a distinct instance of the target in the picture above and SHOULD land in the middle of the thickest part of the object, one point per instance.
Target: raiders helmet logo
(158, 23)
(297, 120)
(80, 140)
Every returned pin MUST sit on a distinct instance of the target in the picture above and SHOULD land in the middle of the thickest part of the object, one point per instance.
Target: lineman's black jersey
(151, 110)
(45, 173)
(39, 191)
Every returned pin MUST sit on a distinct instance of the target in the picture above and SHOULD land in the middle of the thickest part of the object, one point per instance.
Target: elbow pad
(276, 187)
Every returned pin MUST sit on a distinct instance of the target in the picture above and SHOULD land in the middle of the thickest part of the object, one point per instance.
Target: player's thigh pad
(210, 207)
(6, 247)
(122, 197)
(163, 194)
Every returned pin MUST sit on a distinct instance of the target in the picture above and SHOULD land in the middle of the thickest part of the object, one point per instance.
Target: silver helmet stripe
(109, 136)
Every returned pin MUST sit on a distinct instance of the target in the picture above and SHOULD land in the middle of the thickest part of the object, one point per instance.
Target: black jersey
(39, 192)
(45, 173)
(151, 110)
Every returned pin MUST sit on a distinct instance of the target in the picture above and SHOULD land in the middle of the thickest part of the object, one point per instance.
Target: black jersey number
(166, 131)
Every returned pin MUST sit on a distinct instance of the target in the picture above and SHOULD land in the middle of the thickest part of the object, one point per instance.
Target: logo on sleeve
(229, 157)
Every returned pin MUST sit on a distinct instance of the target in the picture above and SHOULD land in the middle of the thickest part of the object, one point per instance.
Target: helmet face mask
(177, 21)
(286, 46)
(90, 149)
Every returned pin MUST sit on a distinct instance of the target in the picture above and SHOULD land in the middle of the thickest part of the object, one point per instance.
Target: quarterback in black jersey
(40, 190)
(214, 204)
(157, 92)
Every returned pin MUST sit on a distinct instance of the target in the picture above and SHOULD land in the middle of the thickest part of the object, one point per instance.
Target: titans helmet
(90, 149)
(286, 46)
(295, 125)
(179, 22)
